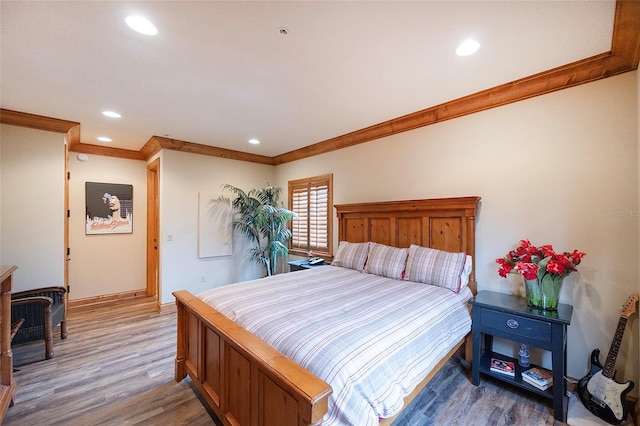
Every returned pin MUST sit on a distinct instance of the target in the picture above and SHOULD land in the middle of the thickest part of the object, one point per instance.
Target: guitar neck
(609, 365)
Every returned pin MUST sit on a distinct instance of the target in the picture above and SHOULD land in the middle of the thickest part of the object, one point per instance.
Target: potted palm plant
(261, 218)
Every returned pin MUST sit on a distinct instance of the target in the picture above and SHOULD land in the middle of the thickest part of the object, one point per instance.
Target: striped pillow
(435, 267)
(386, 261)
(351, 255)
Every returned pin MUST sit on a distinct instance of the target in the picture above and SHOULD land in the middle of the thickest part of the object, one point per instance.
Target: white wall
(32, 215)
(182, 177)
(560, 169)
(557, 169)
(113, 263)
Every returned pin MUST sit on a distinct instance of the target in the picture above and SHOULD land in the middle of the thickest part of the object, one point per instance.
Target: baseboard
(572, 384)
(167, 307)
(134, 294)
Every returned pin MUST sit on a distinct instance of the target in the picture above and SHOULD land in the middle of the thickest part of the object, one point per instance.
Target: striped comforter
(373, 339)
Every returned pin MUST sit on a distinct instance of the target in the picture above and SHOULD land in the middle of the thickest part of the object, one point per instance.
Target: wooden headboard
(440, 223)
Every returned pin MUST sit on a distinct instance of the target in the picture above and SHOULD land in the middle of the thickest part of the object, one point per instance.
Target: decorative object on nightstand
(523, 355)
(509, 317)
(539, 377)
(502, 367)
(299, 265)
(542, 269)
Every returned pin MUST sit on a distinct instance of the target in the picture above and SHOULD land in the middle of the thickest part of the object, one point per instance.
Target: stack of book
(538, 377)
(501, 366)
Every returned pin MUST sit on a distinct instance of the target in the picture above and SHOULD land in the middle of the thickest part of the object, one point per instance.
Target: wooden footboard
(244, 380)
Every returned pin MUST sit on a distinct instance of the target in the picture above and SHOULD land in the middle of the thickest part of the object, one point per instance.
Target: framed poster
(109, 208)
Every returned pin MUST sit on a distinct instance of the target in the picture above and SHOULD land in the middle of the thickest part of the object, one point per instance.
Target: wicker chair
(42, 310)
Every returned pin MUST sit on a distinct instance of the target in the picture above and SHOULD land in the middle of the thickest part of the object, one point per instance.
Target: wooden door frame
(72, 134)
(66, 214)
(153, 222)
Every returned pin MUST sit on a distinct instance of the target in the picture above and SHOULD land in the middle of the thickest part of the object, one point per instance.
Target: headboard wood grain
(440, 223)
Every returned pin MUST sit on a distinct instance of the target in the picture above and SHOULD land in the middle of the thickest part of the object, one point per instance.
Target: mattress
(373, 339)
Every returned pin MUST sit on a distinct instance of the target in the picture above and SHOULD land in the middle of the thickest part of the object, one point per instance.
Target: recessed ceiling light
(111, 114)
(283, 31)
(467, 47)
(254, 141)
(141, 25)
(104, 139)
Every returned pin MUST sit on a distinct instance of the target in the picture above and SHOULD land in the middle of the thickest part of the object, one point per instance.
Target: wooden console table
(7, 385)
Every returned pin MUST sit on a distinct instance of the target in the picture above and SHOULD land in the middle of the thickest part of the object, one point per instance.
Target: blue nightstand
(509, 317)
(299, 265)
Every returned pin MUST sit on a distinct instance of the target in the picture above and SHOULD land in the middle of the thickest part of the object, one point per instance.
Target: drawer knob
(512, 324)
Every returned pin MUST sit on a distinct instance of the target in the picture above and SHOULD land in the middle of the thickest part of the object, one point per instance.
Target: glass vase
(543, 293)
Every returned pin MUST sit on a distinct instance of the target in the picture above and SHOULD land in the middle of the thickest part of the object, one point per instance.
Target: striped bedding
(373, 339)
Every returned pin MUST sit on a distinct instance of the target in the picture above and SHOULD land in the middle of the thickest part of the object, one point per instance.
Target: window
(312, 200)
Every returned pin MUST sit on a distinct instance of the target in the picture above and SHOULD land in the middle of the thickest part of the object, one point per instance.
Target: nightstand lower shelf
(485, 361)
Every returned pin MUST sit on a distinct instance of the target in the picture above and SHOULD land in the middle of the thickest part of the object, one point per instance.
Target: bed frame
(245, 381)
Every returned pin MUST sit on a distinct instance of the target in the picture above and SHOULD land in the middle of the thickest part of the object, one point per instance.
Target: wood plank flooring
(117, 368)
(450, 399)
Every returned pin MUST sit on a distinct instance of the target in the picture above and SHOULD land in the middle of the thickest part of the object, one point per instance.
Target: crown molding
(41, 122)
(157, 143)
(577, 73)
(107, 151)
(33, 121)
(623, 57)
(625, 43)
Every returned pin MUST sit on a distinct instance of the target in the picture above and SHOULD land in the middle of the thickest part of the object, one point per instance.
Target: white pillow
(466, 272)
(386, 261)
(435, 267)
(351, 255)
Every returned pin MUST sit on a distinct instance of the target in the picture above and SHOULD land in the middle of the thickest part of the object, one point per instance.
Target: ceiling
(220, 73)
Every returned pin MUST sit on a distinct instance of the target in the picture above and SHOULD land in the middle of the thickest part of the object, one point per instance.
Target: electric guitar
(598, 390)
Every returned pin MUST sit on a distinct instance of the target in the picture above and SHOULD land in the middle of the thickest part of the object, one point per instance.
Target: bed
(246, 381)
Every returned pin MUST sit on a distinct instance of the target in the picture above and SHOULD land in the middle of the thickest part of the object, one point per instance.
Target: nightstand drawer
(516, 325)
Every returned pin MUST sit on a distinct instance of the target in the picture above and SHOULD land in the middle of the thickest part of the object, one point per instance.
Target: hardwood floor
(450, 399)
(116, 368)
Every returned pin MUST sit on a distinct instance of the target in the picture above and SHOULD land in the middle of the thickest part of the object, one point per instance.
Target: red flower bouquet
(543, 270)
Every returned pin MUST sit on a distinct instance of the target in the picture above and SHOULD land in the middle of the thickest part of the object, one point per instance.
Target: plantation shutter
(300, 228)
(310, 199)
